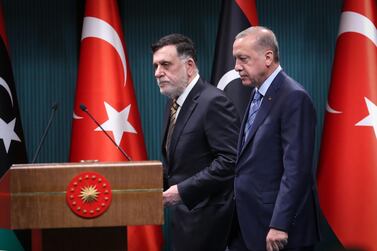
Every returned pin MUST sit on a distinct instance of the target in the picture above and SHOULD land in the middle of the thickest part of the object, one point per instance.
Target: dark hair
(185, 46)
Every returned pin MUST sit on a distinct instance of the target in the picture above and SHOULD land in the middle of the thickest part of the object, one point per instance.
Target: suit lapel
(245, 116)
(166, 125)
(267, 102)
(185, 113)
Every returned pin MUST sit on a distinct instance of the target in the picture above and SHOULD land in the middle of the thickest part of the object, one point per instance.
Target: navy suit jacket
(274, 183)
(201, 161)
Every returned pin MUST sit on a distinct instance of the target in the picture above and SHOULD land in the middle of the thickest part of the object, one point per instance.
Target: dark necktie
(173, 117)
(254, 107)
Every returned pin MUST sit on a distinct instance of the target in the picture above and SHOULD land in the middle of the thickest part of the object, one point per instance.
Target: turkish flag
(236, 16)
(105, 86)
(347, 176)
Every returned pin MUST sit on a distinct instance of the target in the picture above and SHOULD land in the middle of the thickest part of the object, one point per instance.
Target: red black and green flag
(236, 16)
(12, 143)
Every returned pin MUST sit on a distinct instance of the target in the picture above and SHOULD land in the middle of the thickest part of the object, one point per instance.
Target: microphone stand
(52, 114)
(85, 109)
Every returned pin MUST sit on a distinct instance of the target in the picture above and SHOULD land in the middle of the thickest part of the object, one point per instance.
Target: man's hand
(171, 196)
(276, 240)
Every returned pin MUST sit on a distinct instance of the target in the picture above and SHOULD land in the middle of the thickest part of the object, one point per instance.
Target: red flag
(347, 178)
(236, 16)
(105, 86)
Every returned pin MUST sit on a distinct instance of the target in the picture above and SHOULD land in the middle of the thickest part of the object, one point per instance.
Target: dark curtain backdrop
(45, 37)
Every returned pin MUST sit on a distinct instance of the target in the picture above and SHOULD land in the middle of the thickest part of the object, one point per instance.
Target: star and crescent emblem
(118, 121)
(7, 132)
(356, 23)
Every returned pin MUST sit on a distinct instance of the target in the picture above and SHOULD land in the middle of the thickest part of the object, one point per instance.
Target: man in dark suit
(198, 149)
(275, 193)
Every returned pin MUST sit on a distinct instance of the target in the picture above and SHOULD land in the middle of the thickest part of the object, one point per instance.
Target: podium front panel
(38, 195)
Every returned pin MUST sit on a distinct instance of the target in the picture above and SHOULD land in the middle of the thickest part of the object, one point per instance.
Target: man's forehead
(168, 52)
(168, 49)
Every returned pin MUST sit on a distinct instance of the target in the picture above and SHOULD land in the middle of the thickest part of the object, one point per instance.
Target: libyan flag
(235, 16)
(12, 144)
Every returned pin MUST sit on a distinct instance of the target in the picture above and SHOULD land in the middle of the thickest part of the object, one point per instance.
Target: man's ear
(269, 56)
(191, 67)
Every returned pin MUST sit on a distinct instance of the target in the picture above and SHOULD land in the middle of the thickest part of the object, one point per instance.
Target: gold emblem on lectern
(89, 194)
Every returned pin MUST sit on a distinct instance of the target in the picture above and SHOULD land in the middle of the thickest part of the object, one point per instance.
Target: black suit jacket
(274, 184)
(201, 161)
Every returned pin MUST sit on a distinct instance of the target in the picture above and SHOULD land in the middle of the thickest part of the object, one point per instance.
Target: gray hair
(265, 39)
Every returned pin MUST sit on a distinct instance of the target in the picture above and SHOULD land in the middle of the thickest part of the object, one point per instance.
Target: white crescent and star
(354, 22)
(118, 121)
(7, 133)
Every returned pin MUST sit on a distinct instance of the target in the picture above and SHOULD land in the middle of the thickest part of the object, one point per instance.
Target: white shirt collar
(266, 84)
(181, 99)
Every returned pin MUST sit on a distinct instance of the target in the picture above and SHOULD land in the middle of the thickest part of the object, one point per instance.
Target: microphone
(54, 107)
(85, 109)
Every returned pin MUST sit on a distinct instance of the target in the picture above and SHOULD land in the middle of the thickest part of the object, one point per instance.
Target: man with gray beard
(200, 134)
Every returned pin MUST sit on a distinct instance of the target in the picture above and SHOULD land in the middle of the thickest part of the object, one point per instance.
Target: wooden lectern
(33, 196)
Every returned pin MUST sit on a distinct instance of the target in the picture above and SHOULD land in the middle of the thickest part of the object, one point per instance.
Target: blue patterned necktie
(254, 107)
